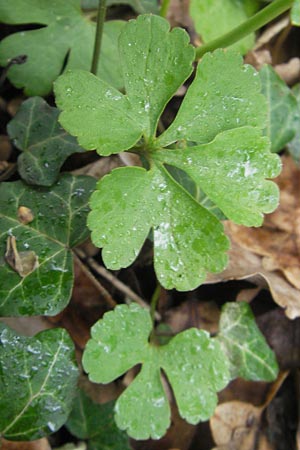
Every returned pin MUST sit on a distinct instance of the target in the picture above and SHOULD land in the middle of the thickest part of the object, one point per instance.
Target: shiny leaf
(282, 109)
(212, 18)
(217, 133)
(155, 62)
(37, 384)
(45, 144)
(240, 172)
(246, 348)
(129, 201)
(194, 364)
(58, 224)
(94, 422)
(66, 33)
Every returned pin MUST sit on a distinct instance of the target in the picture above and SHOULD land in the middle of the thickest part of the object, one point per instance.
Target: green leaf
(127, 203)
(220, 123)
(239, 173)
(65, 33)
(58, 224)
(212, 18)
(246, 348)
(193, 363)
(295, 13)
(45, 144)
(224, 95)
(95, 423)
(155, 62)
(294, 145)
(282, 109)
(37, 383)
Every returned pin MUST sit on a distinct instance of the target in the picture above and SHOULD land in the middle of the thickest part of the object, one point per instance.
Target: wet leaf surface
(45, 144)
(143, 408)
(58, 225)
(42, 386)
(246, 348)
(65, 31)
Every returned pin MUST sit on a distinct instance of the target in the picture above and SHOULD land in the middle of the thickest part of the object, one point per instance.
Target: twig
(105, 294)
(119, 285)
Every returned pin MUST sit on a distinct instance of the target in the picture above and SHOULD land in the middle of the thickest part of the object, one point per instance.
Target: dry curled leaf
(21, 262)
(40, 444)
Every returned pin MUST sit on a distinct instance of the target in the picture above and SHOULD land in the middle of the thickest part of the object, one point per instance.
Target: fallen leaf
(21, 262)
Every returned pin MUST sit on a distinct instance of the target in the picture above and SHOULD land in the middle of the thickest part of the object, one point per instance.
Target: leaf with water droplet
(155, 62)
(95, 423)
(238, 173)
(58, 224)
(249, 355)
(38, 382)
(284, 118)
(194, 364)
(188, 239)
(66, 35)
(45, 144)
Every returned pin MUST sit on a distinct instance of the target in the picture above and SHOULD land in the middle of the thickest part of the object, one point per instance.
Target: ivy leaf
(95, 423)
(188, 239)
(221, 119)
(57, 225)
(246, 348)
(294, 145)
(217, 17)
(37, 384)
(295, 13)
(65, 33)
(282, 109)
(155, 62)
(192, 361)
(45, 144)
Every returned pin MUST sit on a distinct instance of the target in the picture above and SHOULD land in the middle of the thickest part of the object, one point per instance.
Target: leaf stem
(154, 300)
(164, 8)
(255, 22)
(98, 36)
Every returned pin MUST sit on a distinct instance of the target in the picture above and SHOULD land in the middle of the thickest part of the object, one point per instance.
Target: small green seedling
(195, 365)
(221, 117)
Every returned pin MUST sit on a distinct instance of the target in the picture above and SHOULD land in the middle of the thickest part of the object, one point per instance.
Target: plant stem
(164, 8)
(255, 22)
(154, 300)
(98, 36)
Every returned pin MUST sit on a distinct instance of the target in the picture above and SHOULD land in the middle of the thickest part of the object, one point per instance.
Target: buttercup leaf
(295, 13)
(58, 224)
(217, 135)
(66, 32)
(246, 348)
(192, 357)
(152, 73)
(45, 144)
(43, 384)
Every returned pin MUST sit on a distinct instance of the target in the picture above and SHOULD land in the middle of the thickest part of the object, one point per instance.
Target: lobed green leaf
(37, 384)
(66, 34)
(194, 364)
(58, 224)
